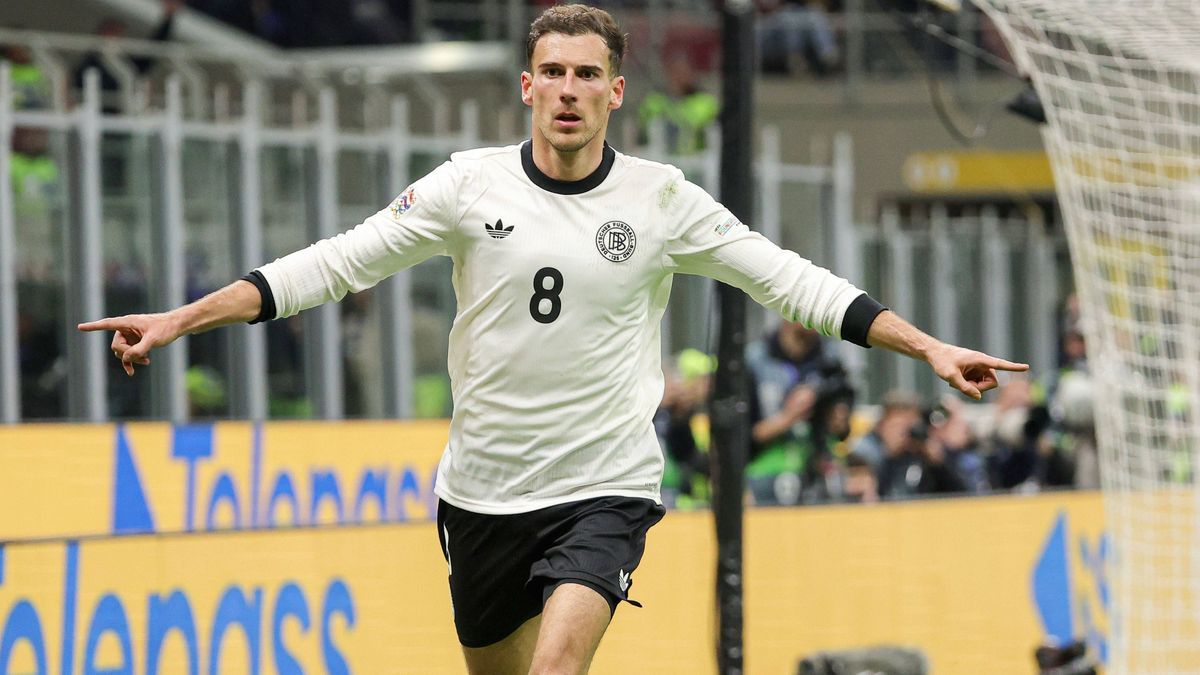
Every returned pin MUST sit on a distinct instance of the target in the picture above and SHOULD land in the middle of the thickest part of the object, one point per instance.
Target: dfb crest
(616, 240)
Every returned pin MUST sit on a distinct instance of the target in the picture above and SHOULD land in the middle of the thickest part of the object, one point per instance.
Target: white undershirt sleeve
(418, 225)
(712, 242)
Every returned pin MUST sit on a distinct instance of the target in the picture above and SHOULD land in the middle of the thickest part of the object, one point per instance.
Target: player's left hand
(969, 371)
(134, 335)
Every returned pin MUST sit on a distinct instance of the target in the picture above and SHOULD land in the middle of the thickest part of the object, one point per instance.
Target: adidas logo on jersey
(499, 231)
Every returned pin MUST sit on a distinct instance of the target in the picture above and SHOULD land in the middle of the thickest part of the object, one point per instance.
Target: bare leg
(510, 656)
(573, 621)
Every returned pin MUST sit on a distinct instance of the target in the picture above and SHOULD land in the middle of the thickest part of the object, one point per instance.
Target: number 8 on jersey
(549, 294)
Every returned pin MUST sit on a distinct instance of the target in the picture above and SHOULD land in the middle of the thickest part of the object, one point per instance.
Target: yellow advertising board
(342, 572)
(363, 599)
(978, 172)
(72, 481)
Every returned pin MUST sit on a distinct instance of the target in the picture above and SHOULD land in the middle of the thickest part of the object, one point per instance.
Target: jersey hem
(493, 509)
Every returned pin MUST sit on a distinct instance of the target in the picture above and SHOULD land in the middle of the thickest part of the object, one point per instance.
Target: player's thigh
(489, 559)
(510, 656)
(573, 621)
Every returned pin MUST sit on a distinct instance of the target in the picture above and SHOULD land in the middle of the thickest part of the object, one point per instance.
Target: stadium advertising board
(228, 548)
(352, 599)
(75, 481)
(119, 554)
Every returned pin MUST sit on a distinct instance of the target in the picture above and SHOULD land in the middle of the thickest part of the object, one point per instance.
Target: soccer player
(563, 252)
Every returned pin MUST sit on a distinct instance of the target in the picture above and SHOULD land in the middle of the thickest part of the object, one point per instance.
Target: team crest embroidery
(616, 240)
(403, 203)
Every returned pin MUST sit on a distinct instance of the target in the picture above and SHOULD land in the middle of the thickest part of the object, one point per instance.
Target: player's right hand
(134, 336)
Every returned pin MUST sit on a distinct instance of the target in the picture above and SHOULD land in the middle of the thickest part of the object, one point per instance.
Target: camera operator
(800, 402)
(949, 427)
(917, 464)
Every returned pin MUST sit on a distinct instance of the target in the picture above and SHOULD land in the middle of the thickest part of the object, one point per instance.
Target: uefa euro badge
(616, 240)
(403, 203)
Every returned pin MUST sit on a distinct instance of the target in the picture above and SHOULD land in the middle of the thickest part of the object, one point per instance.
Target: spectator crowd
(811, 445)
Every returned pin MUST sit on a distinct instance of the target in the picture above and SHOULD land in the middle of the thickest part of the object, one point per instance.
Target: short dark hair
(580, 20)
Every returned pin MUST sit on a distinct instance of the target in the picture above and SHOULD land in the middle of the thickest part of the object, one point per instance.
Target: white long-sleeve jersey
(561, 286)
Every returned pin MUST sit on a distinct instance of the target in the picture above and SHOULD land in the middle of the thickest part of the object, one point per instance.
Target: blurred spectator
(34, 173)
(1024, 453)
(1072, 411)
(37, 187)
(901, 410)
(860, 484)
(829, 427)
(1011, 461)
(678, 424)
(42, 367)
(795, 32)
(1072, 348)
(950, 429)
(206, 392)
(315, 23)
(116, 29)
(800, 405)
(917, 464)
(686, 110)
(1068, 453)
(30, 86)
(361, 345)
(1073, 354)
(287, 395)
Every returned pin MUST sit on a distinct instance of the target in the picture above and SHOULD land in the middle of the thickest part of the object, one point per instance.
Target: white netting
(1120, 81)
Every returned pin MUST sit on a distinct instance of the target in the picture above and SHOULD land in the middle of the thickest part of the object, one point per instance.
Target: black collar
(566, 187)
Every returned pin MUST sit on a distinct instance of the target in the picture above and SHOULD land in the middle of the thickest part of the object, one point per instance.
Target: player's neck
(567, 166)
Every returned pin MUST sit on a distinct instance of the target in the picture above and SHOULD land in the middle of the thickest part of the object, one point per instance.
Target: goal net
(1120, 83)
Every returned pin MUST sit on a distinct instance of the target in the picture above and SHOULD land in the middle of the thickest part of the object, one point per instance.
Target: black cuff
(859, 316)
(268, 299)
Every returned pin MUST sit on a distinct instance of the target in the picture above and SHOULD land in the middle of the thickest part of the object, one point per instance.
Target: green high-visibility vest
(30, 87)
(690, 115)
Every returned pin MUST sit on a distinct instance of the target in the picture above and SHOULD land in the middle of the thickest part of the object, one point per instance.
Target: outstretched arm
(966, 370)
(136, 334)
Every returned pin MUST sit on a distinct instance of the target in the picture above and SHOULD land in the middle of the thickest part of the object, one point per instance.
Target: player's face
(571, 90)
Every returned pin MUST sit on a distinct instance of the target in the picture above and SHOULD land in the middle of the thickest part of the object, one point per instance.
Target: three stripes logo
(498, 231)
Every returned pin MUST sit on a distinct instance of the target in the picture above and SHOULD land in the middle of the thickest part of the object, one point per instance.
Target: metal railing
(979, 280)
(216, 163)
(167, 197)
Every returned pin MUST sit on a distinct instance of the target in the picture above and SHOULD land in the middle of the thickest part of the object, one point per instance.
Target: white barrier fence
(151, 207)
(978, 279)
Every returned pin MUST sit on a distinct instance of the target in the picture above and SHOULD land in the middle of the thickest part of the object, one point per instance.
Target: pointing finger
(1009, 365)
(114, 323)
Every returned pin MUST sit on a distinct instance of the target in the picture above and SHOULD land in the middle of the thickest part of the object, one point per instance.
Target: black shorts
(503, 568)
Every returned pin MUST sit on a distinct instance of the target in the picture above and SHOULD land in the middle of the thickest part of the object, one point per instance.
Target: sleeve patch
(403, 203)
(728, 225)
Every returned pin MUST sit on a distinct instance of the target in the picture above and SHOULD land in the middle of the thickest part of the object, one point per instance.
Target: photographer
(800, 405)
(917, 460)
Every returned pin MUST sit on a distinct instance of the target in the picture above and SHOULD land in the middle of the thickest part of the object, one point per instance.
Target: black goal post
(729, 408)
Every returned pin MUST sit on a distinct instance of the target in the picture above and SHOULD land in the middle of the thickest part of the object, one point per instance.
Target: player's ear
(526, 88)
(617, 93)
